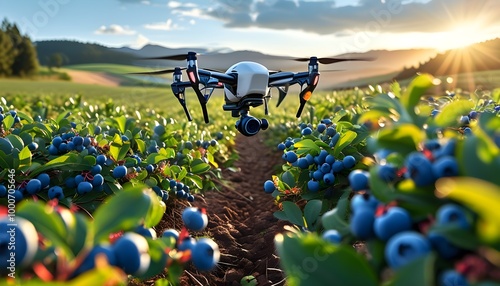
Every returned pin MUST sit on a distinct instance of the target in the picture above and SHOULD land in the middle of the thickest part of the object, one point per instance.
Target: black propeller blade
(327, 61)
(179, 57)
(156, 72)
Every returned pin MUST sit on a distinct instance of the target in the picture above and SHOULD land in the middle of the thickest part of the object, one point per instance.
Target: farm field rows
(128, 192)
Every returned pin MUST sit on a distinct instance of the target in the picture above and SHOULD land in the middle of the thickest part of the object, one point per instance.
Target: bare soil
(96, 78)
(241, 221)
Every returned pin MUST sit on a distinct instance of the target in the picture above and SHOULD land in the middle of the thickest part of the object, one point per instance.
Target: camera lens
(249, 125)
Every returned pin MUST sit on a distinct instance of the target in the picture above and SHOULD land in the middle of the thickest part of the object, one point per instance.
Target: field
(388, 185)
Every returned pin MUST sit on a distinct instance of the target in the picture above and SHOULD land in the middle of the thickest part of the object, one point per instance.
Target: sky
(278, 27)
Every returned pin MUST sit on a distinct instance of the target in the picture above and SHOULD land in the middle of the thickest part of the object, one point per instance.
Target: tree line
(18, 56)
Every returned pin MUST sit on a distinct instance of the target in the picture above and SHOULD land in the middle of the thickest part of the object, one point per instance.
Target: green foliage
(382, 128)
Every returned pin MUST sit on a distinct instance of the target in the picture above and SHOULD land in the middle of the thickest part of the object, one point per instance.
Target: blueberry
(86, 141)
(349, 162)
(171, 233)
(56, 192)
(313, 186)
(464, 120)
(325, 168)
(187, 243)
(281, 146)
(393, 221)
(53, 150)
(321, 128)
(101, 159)
(330, 131)
(3, 191)
(329, 178)
(387, 172)
(473, 114)
(159, 130)
(452, 214)
(445, 166)
(303, 163)
(335, 139)
(98, 180)
(77, 140)
(361, 223)
(26, 242)
(364, 201)
(290, 157)
(150, 168)
(337, 166)
(452, 278)
(269, 187)
(44, 179)
(205, 254)
(33, 186)
(124, 138)
(96, 169)
(84, 187)
(419, 169)
(119, 172)
(70, 182)
(194, 219)
(332, 236)
(318, 175)
(131, 252)
(358, 180)
(32, 146)
(405, 247)
(57, 141)
(146, 232)
(79, 179)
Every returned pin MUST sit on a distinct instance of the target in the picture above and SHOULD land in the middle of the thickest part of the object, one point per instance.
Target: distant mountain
(477, 57)
(75, 53)
(383, 62)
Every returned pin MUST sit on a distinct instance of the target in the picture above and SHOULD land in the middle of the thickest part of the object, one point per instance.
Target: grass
(160, 97)
(121, 71)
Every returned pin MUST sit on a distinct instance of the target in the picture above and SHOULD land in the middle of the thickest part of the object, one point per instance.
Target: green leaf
(418, 86)
(451, 112)
(307, 146)
(47, 222)
(155, 158)
(25, 157)
(288, 178)
(155, 212)
(293, 213)
(332, 219)
(8, 121)
(16, 141)
(478, 156)
(416, 273)
(121, 122)
(123, 211)
(345, 139)
(70, 161)
(119, 151)
(281, 215)
(141, 145)
(6, 146)
(312, 211)
(196, 180)
(403, 138)
(198, 166)
(182, 174)
(158, 261)
(167, 152)
(480, 196)
(309, 260)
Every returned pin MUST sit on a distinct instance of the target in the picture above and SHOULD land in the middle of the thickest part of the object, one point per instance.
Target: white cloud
(163, 26)
(114, 30)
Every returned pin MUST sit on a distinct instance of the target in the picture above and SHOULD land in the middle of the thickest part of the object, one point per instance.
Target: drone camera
(249, 125)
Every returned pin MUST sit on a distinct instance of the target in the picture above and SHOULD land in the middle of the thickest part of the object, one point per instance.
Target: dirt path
(97, 78)
(241, 221)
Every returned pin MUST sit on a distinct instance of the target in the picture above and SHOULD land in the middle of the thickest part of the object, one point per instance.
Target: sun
(460, 36)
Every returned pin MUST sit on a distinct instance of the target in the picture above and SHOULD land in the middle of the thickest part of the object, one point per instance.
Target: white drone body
(252, 79)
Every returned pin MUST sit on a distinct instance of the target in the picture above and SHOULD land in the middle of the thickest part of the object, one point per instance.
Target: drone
(246, 84)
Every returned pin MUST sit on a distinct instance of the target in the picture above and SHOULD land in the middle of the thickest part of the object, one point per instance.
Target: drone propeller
(179, 57)
(327, 61)
(156, 72)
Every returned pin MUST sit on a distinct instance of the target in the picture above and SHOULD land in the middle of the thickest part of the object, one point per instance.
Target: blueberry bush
(89, 183)
(410, 180)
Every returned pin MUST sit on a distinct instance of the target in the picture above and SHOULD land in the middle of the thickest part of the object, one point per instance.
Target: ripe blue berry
(119, 172)
(171, 233)
(452, 214)
(84, 187)
(77, 140)
(419, 169)
(44, 179)
(306, 131)
(269, 187)
(393, 221)
(358, 180)
(321, 128)
(150, 168)
(205, 254)
(405, 247)
(33, 186)
(364, 201)
(349, 162)
(303, 163)
(131, 252)
(194, 219)
(56, 192)
(290, 157)
(329, 178)
(159, 130)
(98, 180)
(361, 223)
(281, 146)
(57, 141)
(332, 236)
(387, 172)
(445, 166)
(313, 186)
(452, 278)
